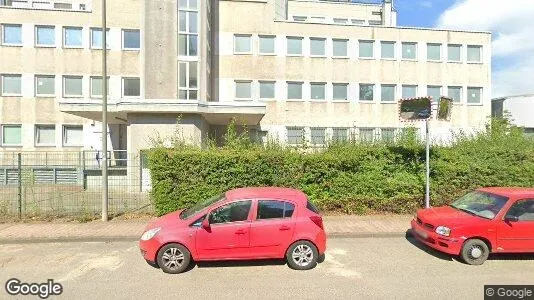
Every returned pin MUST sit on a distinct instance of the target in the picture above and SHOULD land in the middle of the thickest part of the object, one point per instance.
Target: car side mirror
(206, 223)
(511, 219)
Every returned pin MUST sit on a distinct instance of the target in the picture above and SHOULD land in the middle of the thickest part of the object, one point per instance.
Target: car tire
(302, 255)
(474, 252)
(173, 258)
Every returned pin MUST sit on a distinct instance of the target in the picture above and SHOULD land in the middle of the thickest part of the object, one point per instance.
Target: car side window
(523, 210)
(273, 209)
(232, 212)
(198, 221)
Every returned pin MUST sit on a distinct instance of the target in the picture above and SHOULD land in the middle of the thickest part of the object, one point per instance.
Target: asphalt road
(355, 268)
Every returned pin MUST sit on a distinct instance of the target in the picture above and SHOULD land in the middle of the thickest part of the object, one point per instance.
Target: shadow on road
(410, 238)
(511, 256)
(241, 263)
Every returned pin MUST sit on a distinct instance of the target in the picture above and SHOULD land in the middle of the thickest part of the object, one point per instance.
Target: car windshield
(193, 210)
(481, 204)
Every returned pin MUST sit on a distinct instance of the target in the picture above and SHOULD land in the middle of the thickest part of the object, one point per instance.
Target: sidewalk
(335, 226)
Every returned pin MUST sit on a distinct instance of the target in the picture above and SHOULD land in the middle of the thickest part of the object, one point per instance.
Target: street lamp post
(105, 195)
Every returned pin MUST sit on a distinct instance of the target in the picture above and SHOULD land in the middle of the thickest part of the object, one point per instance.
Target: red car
(241, 224)
(487, 220)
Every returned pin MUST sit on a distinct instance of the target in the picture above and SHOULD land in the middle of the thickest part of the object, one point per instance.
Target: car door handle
(240, 231)
(284, 227)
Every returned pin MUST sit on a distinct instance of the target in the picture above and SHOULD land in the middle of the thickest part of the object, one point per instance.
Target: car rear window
(272, 209)
(312, 207)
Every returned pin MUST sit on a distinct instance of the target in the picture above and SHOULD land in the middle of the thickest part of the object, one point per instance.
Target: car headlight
(442, 230)
(150, 233)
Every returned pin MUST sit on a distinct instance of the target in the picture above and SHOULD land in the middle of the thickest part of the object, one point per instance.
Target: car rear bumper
(441, 243)
(321, 242)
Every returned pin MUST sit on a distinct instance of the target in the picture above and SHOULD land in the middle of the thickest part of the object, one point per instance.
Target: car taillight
(318, 221)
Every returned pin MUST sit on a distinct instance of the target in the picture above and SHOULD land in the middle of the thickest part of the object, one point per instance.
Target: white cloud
(511, 24)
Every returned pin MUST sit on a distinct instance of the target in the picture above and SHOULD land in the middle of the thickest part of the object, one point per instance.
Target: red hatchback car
(241, 224)
(488, 220)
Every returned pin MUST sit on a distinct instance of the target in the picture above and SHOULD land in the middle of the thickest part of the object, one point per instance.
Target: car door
(273, 227)
(517, 235)
(229, 233)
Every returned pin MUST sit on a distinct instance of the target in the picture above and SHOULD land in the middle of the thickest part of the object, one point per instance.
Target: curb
(109, 239)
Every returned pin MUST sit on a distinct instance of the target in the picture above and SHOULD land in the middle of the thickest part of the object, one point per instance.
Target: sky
(509, 21)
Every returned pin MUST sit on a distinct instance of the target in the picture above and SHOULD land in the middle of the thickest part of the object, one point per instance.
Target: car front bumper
(149, 249)
(449, 245)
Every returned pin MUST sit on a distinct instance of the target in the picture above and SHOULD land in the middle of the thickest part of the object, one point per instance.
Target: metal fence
(69, 183)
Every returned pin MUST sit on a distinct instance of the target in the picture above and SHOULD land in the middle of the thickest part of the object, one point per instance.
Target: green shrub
(348, 177)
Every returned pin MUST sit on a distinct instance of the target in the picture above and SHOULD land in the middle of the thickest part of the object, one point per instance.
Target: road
(355, 268)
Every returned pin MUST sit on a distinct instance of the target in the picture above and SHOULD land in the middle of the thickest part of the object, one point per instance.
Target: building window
(267, 90)
(45, 85)
(318, 136)
(339, 91)
(96, 38)
(474, 53)
(367, 135)
(366, 92)
(131, 39)
(341, 21)
(339, 134)
(317, 46)
(318, 90)
(455, 93)
(11, 85)
(375, 23)
(188, 4)
(409, 91)
(45, 135)
(11, 135)
(72, 86)
(294, 90)
(12, 34)
(434, 91)
(300, 18)
(295, 135)
(387, 93)
(409, 50)
(387, 49)
(387, 135)
(454, 53)
(294, 45)
(72, 135)
(96, 86)
(45, 36)
(357, 21)
(131, 87)
(243, 89)
(339, 48)
(242, 44)
(266, 44)
(188, 29)
(433, 51)
(317, 19)
(474, 95)
(188, 80)
(366, 49)
(72, 37)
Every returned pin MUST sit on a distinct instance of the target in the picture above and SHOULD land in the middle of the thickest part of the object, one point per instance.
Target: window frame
(188, 33)
(243, 81)
(409, 85)
(318, 84)
(318, 39)
(256, 213)
(3, 34)
(64, 135)
(434, 86)
(250, 210)
(260, 82)
(382, 43)
(360, 42)
(123, 39)
(3, 126)
(360, 92)
(36, 138)
(323, 138)
(481, 100)
(64, 85)
(263, 37)
(455, 87)
(91, 33)
(415, 44)
(302, 131)
(481, 54)
(512, 206)
(294, 38)
(91, 95)
(64, 36)
(243, 35)
(2, 84)
(123, 86)
(36, 36)
(394, 86)
(301, 84)
(460, 53)
(338, 84)
(440, 46)
(188, 89)
(346, 42)
(35, 84)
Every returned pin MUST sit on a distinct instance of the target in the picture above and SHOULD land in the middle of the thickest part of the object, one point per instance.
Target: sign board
(414, 109)
(444, 109)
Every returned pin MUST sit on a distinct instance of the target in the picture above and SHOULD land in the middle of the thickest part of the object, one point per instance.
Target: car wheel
(302, 255)
(173, 258)
(475, 252)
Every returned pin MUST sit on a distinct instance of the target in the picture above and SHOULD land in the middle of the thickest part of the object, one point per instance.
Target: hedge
(351, 178)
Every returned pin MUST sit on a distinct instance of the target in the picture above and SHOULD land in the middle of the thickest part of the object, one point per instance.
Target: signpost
(419, 109)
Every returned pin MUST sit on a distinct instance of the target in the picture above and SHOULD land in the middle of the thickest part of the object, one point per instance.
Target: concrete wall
(335, 9)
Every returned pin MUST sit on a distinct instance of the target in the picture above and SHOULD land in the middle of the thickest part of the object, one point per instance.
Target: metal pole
(105, 195)
(427, 193)
(19, 165)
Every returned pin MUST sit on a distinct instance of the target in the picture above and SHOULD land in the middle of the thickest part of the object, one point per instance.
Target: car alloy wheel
(302, 255)
(173, 258)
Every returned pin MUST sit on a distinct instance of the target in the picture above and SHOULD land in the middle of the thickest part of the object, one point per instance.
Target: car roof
(510, 191)
(266, 192)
